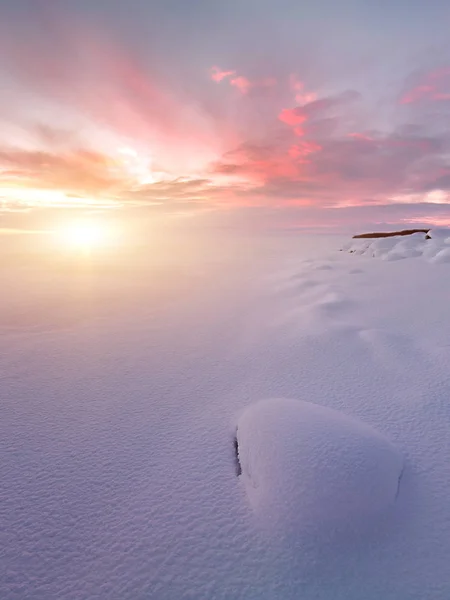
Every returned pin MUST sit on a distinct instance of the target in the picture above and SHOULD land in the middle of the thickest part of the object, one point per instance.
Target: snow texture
(122, 381)
(311, 468)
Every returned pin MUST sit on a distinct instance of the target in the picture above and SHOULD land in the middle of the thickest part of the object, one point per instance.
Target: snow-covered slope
(123, 384)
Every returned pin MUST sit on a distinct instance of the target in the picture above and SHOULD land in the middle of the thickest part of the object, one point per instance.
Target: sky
(243, 113)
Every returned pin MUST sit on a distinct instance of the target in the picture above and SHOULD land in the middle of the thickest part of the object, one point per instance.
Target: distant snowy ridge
(434, 246)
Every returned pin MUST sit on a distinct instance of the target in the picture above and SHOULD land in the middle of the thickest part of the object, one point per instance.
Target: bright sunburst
(84, 236)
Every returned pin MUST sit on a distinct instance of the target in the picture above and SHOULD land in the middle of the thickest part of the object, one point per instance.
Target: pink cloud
(312, 152)
(417, 93)
(317, 109)
(295, 83)
(268, 82)
(218, 75)
(306, 98)
(303, 149)
(439, 73)
(105, 87)
(299, 131)
(301, 96)
(434, 86)
(292, 116)
(360, 136)
(242, 84)
(353, 167)
(258, 164)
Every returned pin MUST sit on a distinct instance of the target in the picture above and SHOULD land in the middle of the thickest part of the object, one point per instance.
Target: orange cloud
(79, 171)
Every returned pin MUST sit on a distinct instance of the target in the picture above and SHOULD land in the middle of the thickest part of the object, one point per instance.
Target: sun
(83, 236)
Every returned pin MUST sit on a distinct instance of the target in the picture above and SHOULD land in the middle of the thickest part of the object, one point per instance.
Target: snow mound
(433, 246)
(310, 468)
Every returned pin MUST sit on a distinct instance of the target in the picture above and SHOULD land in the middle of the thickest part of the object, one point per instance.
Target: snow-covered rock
(432, 246)
(310, 468)
(383, 245)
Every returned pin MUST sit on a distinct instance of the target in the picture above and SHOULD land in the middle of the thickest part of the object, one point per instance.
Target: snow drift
(307, 467)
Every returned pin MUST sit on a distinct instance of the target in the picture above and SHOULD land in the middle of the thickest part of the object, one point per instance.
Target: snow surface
(308, 468)
(122, 382)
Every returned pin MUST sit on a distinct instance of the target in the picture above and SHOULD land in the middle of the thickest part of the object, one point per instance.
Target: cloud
(298, 87)
(432, 86)
(292, 116)
(83, 177)
(317, 116)
(81, 171)
(219, 75)
(88, 112)
(12, 231)
(339, 170)
(257, 163)
(240, 82)
(317, 108)
(361, 136)
(77, 76)
(318, 165)
(304, 148)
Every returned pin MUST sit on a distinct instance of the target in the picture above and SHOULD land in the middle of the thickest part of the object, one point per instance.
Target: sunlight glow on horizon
(85, 236)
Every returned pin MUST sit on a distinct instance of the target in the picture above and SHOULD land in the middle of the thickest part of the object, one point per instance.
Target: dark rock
(237, 463)
(391, 234)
